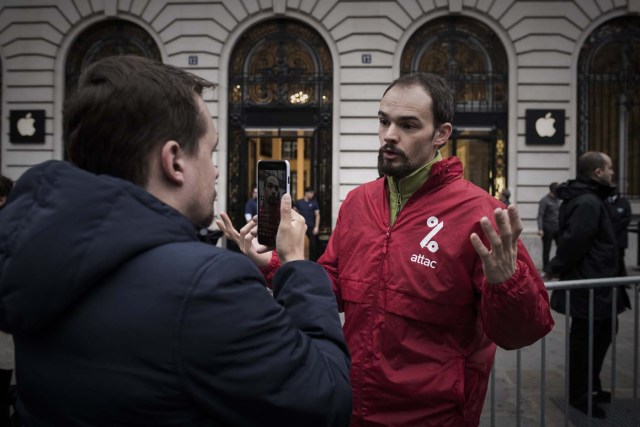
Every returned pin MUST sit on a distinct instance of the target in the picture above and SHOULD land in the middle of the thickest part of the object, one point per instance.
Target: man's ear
(172, 162)
(443, 132)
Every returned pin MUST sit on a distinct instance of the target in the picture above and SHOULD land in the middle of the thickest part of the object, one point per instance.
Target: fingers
(516, 223)
(226, 226)
(246, 236)
(504, 227)
(480, 248)
(290, 237)
(285, 208)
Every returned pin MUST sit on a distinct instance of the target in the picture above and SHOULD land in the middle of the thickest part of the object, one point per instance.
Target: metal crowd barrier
(590, 284)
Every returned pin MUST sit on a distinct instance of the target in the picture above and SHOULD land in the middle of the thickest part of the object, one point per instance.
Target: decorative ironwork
(280, 76)
(469, 55)
(107, 38)
(609, 98)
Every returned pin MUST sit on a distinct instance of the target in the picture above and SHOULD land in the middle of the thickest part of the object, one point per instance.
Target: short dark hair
(6, 185)
(309, 189)
(438, 90)
(123, 108)
(589, 162)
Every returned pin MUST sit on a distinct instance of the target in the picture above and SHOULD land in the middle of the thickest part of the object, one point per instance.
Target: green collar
(400, 190)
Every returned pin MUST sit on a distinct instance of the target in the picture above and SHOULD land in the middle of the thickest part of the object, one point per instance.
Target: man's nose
(391, 135)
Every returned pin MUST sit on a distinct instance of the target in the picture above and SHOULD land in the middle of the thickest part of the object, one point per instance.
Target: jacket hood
(64, 230)
(580, 185)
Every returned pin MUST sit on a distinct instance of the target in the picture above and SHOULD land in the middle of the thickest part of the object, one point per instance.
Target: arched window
(469, 55)
(280, 107)
(609, 98)
(107, 38)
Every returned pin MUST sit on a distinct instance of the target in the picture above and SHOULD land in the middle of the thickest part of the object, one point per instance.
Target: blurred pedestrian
(505, 197)
(548, 221)
(587, 249)
(251, 207)
(309, 209)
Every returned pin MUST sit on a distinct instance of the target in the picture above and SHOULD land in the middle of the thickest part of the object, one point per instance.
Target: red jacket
(421, 322)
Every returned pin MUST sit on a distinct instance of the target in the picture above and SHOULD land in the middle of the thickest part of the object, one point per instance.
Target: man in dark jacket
(587, 249)
(121, 316)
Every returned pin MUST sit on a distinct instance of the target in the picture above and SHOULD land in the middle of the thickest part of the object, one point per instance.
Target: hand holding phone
(291, 232)
(273, 183)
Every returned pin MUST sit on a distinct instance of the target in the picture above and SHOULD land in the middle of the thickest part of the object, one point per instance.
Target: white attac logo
(436, 226)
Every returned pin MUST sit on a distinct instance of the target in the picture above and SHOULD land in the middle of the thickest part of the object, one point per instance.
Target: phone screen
(273, 182)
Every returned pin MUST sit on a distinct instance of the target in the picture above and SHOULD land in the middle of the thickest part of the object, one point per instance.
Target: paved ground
(554, 390)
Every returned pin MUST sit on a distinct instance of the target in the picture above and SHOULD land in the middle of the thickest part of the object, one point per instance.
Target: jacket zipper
(385, 246)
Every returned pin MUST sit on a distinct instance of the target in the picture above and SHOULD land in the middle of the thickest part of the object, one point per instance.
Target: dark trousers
(313, 245)
(547, 237)
(5, 381)
(579, 354)
(622, 268)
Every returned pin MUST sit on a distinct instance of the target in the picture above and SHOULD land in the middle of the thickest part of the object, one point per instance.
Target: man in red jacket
(430, 279)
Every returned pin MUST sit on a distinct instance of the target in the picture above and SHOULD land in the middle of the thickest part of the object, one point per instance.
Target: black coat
(587, 248)
(122, 317)
(620, 210)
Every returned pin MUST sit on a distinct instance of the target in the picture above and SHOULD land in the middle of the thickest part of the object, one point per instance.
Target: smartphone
(274, 177)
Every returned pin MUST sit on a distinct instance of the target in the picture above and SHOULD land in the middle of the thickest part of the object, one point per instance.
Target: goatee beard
(398, 171)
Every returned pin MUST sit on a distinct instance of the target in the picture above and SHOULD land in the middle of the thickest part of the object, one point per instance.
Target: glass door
(482, 152)
(293, 145)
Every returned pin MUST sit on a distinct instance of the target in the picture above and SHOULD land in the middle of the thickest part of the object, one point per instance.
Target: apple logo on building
(25, 125)
(544, 126)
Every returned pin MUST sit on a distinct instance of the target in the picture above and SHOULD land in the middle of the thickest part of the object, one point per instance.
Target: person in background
(587, 249)
(428, 269)
(7, 360)
(505, 196)
(309, 209)
(548, 221)
(620, 211)
(251, 207)
(120, 314)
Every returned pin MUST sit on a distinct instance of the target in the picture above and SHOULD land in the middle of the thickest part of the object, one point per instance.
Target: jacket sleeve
(247, 358)
(576, 237)
(515, 313)
(542, 206)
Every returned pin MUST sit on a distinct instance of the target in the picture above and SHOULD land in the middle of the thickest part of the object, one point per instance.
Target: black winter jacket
(587, 248)
(121, 317)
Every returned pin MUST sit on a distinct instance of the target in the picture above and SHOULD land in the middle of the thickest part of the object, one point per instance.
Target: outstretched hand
(499, 261)
(289, 239)
(245, 239)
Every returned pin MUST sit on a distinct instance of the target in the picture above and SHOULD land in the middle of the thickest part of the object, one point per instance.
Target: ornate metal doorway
(280, 103)
(609, 98)
(471, 57)
(107, 38)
